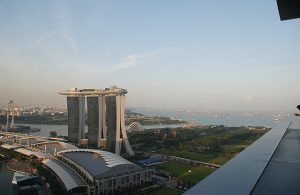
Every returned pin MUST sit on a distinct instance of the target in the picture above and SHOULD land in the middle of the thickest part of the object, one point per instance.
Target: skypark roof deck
(69, 177)
(94, 92)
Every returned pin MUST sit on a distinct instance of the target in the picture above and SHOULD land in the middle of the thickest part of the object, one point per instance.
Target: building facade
(106, 118)
(76, 118)
(111, 118)
(105, 172)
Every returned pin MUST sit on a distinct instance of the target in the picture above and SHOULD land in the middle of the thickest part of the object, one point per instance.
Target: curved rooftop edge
(70, 178)
(97, 163)
(94, 92)
(53, 146)
(241, 174)
(29, 152)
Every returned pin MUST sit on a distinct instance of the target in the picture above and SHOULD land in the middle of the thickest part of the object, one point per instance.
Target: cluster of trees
(53, 134)
(42, 119)
(199, 144)
(213, 143)
(11, 153)
(153, 120)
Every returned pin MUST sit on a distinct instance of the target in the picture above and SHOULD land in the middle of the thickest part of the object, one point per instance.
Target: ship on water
(22, 129)
(26, 182)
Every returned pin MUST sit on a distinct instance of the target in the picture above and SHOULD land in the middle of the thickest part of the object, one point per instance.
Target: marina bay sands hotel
(105, 117)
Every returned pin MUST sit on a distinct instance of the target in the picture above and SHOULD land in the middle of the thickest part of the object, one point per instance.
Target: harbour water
(232, 119)
(63, 129)
(6, 176)
(196, 117)
(6, 187)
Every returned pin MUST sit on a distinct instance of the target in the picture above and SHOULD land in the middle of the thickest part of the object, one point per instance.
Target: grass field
(186, 154)
(220, 159)
(165, 191)
(181, 171)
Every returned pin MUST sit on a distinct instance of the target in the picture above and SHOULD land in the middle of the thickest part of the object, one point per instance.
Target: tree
(53, 134)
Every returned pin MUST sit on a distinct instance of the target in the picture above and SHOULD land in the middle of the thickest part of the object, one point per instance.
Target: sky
(171, 54)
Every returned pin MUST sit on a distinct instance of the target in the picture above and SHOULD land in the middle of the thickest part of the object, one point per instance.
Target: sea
(226, 118)
(6, 176)
(230, 119)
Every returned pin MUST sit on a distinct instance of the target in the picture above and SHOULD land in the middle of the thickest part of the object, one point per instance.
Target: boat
(22, 179)
(22, 129)
(19, 176)
(34, 129)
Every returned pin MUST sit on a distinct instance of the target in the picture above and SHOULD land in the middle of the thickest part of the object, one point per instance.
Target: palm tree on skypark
(298, 114)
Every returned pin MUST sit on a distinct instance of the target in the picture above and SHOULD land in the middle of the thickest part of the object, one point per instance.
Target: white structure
(135, 126)
(120, 123)
(10, 112)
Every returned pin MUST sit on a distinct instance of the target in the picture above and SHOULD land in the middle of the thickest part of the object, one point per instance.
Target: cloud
(61, 28)
(133, 60)
(249, 98)
(63, 33)
(277, 69)
(70, 40)
(43, 39)
(127, 62)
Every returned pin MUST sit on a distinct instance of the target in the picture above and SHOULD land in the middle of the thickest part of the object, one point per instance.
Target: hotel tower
(105, 118)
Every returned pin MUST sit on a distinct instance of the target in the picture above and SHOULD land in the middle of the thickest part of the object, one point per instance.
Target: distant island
(62, 119)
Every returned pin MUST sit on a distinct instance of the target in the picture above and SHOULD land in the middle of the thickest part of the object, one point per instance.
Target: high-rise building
(76, 118)
(116, 132)
(106, 117)
(96, 120)
(111, 123)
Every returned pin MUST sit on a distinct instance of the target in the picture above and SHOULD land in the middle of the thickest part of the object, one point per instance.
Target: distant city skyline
(230, 55)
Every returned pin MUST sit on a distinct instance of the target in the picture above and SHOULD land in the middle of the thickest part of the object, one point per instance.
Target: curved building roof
(29, 152)
(100, 164)
(55, 146)
(69, 177)
(23, 140)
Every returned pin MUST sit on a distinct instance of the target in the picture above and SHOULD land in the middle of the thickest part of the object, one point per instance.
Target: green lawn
(181, 171)
(220, 160)
(187, 154)
(165, 191)
(228, 153)
(233, 148)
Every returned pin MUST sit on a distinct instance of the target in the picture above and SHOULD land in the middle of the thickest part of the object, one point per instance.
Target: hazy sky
(192, 54)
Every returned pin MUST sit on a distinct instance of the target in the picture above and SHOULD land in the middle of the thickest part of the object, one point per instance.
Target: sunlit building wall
(76, 118)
